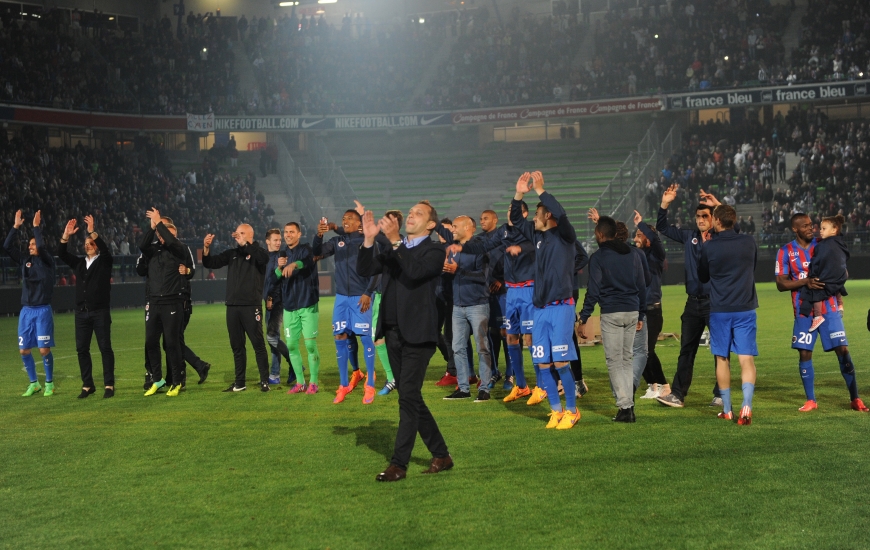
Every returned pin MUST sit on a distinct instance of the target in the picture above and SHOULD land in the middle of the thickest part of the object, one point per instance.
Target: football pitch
(215, 470)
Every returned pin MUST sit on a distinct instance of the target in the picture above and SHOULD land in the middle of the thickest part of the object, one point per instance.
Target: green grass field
(209, 469)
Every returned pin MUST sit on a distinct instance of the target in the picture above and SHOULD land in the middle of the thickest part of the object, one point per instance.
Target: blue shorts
(519, 316)
(347, 318)
(551, 342)
(35, 327)
(733, 332)
(832, 333)
(496, 310)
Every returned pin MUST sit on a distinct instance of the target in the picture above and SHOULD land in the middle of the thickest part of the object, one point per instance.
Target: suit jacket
(416, 271)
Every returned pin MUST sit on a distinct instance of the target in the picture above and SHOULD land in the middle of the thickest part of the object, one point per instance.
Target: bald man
(245, 276)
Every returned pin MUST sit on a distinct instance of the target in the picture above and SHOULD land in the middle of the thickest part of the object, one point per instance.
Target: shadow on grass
(379, 436)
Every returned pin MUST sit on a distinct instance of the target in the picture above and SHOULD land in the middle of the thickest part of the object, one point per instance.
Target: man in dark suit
(408, 319)
(93, 273)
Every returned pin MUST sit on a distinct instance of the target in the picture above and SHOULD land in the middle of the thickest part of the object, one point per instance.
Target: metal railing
(625, 191)
(332, 177)
(298, 189)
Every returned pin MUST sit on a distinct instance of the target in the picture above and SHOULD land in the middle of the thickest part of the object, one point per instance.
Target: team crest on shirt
(505, 232)
(27, 265)
(695, 240)
(793, 339)
(539, 244)
(147, 306)
(248, 257)
(340, 244)
(257, 317)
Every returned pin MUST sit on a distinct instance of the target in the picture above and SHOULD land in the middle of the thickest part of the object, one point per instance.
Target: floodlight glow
(286, 4)
(327, 1)
(421, 21)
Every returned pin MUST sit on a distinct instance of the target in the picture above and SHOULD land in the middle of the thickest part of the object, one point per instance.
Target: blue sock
(369, 357)
(568, 384)
(549, 384)
(342, 350)
(353, 351)
(748, 392)
(29, 366)
(808, 376)
(847, 369)
(726, 399)
(537, 374)
(515, 355)
(48, 365)
(508, 363)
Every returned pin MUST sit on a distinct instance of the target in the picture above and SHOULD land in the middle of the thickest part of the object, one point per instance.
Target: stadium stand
(527, 60)
(41, 67)
(172, 74)
(307, 66)
(721, 44)
(830, 174)
(117, 187)
(834, 42)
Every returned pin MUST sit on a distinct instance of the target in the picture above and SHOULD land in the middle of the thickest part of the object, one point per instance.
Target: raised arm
(662, 225)
(173, 245)
(525, 227)
(63, 252)
(43, 254)
(563, 225)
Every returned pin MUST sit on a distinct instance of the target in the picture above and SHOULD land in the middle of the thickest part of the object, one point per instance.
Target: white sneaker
(705, 338)
(652, 391)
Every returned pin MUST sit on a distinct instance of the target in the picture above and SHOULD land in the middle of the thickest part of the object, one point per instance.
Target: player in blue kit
(351, 313)
(35, 322)
(792, 268)
(519, 278)
(554, 238)
(727, 263)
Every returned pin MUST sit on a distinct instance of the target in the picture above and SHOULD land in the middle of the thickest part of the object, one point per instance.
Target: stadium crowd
(305, 65)
(834, 42)
(746, 163)
(526, 60)
(176, 73)
(117, 187)
(698, 44)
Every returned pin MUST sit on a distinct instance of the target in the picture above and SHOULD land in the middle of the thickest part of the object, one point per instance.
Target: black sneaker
(496, 378)
(203, 372)
(264, 386)
(625, 415)
(458, 394)
(482, 396)
(233, 388)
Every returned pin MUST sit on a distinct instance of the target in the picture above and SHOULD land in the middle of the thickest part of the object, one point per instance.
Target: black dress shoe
(439, 465)
(203, 372)
(86, 392)
(625, 415)
(108, 392)
(148, 382)
(392, 473)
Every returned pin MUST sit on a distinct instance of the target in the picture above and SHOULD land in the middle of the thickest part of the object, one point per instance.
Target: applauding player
(35, 322)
